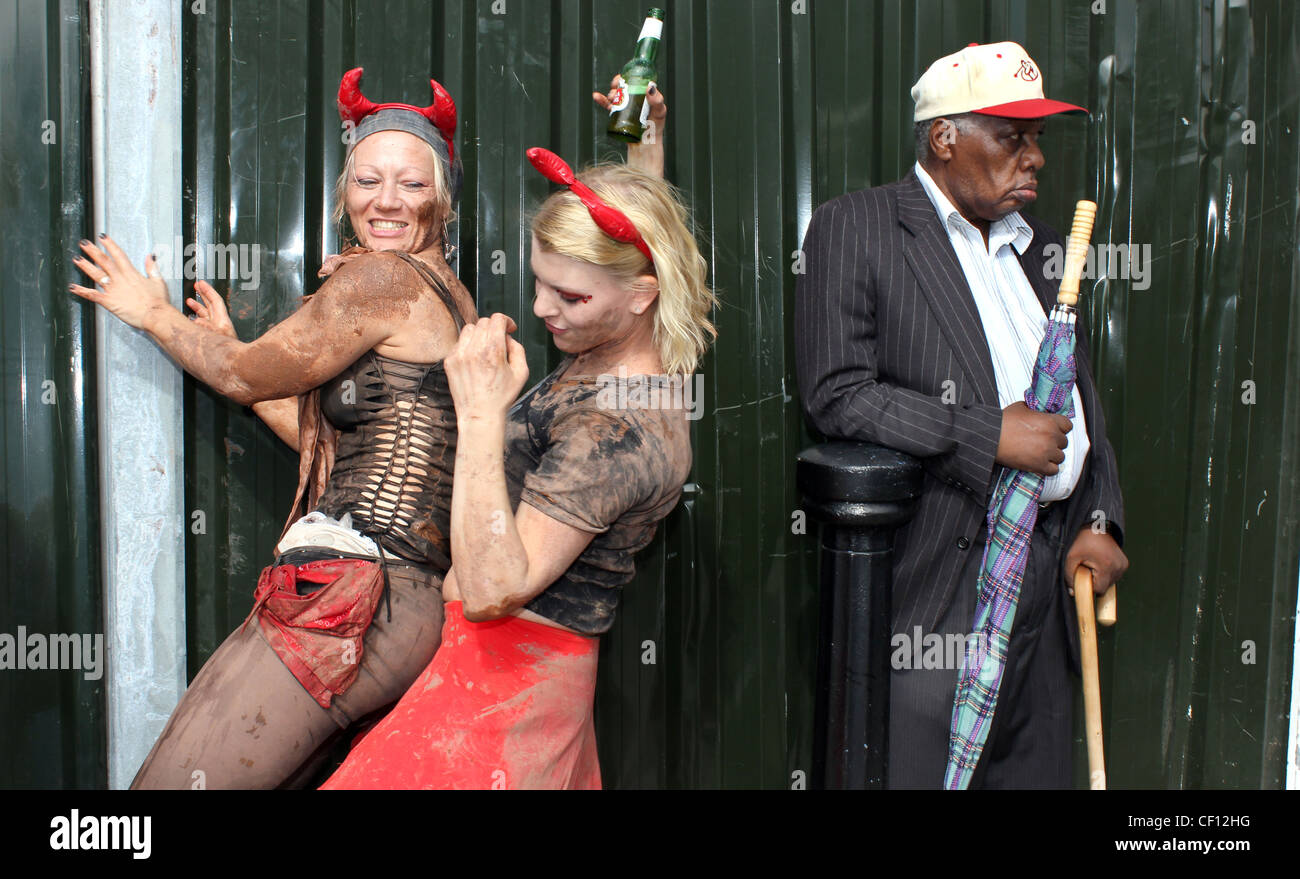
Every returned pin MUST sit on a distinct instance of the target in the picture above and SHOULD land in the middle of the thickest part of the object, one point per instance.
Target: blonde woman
(354, 380)
(555, 494)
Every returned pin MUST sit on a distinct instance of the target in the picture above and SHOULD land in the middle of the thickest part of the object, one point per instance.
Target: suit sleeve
(836, 354)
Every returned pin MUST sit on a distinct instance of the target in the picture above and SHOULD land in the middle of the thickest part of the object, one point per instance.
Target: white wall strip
(136, 154)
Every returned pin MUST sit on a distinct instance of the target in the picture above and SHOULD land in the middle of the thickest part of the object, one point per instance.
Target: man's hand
(1100, 554)
(1032, 441)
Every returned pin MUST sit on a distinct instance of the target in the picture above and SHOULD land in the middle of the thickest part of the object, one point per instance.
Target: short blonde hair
(442, 196)
(682, 326)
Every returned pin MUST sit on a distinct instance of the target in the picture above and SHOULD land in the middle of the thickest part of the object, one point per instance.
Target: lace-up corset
(396, 452)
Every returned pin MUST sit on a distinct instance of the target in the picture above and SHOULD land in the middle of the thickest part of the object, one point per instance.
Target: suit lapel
(1033, 262)
(930, 255)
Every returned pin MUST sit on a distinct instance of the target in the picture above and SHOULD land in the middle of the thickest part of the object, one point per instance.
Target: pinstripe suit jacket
(890, 349)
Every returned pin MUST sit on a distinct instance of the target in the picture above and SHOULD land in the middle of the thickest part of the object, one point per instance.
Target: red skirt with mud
(503, 704)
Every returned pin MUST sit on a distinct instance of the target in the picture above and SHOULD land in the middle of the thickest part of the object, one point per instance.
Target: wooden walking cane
(1083, 606)
(1076, 251)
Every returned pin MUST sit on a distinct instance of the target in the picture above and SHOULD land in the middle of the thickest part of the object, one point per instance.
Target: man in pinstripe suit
(918, 320)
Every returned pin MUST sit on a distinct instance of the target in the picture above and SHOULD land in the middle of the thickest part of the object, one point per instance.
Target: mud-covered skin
(592, 316)
(246, 720)
(376, 300)
(615, 473)
(393, 445)
(334, 261)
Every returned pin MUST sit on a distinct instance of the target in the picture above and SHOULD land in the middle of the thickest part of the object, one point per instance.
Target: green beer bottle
(629, 111)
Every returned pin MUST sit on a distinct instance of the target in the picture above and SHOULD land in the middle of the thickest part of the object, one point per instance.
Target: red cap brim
(1034, 108)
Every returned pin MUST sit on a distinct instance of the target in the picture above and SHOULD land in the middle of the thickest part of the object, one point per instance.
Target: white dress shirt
(1012, 316)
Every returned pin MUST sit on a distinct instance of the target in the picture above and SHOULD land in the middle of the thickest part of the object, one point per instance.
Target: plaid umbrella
(1013, 511)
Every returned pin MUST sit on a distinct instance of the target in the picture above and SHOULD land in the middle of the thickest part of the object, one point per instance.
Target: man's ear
(644, 293)
(943, 134)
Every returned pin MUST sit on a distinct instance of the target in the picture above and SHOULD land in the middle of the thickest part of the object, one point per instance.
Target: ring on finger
(103, 282)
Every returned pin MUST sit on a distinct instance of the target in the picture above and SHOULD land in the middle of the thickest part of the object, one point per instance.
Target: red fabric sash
(319, 636)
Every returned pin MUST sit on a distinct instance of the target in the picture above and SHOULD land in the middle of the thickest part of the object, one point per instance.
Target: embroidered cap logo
(1028, 72)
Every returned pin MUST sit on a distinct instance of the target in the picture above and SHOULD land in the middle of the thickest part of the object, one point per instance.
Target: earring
(348, 238)
(448, 249)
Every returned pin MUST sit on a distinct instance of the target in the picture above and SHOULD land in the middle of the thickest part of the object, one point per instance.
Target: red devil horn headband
(354, 106)
(611, 221)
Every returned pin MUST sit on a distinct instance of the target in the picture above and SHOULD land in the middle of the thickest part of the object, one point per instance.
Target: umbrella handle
(1076, 252)
(1083, 605)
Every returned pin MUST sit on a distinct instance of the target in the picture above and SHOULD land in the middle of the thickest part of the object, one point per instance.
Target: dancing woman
(354, 380)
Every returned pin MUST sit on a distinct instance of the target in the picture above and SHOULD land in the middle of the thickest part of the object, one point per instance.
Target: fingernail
(653, 89)
(102, 235)
(152, 257)
(85, 242)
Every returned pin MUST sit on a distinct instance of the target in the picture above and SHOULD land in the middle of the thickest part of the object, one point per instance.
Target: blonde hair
(562, 225)
(442, 196)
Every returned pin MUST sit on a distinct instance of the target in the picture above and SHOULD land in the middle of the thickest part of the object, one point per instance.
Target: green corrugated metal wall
(775, 108)
(51, 722)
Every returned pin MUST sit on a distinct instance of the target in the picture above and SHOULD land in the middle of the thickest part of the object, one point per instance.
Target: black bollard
(860, 493)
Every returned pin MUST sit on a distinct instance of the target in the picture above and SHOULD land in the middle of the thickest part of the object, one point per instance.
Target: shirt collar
(1011, 229)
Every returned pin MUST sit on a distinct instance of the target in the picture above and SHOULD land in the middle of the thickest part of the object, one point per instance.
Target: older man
(917, 325)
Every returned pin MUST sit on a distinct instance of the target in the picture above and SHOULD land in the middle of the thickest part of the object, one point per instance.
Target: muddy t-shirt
(601, 458)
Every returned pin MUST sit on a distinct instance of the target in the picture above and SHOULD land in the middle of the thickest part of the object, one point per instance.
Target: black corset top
(396, 451)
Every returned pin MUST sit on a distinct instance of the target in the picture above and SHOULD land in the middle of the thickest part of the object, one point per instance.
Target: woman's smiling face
(392, 198)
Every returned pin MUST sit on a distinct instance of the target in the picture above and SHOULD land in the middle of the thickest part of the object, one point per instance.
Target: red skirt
(503, 704)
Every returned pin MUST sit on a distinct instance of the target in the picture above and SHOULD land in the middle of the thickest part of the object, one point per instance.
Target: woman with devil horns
(556, 493)
(350, 611)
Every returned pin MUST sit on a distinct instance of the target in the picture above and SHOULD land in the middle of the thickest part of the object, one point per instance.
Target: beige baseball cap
(997, 79)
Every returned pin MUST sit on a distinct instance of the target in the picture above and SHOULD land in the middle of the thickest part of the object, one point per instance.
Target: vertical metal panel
(1199, 674)
(246, 158)
(135, 99)
(52, 733)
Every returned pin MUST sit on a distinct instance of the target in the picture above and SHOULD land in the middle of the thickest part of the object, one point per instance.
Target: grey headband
(394, 119)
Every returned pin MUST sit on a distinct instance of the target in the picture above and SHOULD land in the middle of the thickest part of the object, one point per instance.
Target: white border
(1293, 753)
